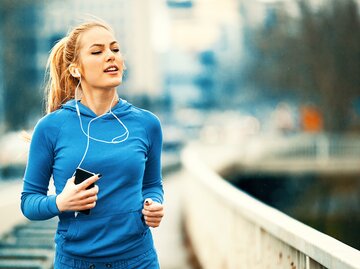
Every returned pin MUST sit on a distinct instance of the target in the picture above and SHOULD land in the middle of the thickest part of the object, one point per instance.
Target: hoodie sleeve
(35, 203)
(152, 181)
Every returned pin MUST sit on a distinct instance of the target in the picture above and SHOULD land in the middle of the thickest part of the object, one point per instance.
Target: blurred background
(278, 72)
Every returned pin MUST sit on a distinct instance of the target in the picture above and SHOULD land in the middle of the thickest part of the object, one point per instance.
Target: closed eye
(96, 52)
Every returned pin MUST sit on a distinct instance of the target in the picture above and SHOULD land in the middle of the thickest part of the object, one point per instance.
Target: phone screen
(80, 176)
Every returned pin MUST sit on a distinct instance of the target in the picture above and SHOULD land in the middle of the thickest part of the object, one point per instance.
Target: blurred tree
(18, 57)
(316, 54)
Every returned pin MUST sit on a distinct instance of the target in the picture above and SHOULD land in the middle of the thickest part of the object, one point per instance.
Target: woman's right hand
(77, 197)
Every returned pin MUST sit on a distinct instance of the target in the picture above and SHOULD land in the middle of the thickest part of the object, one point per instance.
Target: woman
(118, 142)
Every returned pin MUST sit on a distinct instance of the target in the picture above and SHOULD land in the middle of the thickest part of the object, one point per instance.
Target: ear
(74, 71)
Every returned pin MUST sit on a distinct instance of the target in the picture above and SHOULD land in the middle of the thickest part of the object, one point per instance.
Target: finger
(153, 215)
(88, 200)
(153, 224)
(155, 220)
(86, 183)
(154, 207)
(157, 214)
(90, 192)
(87, 206)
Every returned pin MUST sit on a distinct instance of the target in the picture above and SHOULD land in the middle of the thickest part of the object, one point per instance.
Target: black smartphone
(80, 176)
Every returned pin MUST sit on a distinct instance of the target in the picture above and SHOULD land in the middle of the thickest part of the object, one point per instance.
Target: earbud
(77, 73)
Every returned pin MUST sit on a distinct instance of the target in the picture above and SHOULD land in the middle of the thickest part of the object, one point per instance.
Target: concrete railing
(228, 229)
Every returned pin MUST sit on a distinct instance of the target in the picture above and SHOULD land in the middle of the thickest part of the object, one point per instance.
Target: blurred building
(2, 93)
(204, 49)
(133, 23)
(20, 78)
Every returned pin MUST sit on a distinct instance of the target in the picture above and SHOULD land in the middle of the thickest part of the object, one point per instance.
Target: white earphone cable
(115, 140)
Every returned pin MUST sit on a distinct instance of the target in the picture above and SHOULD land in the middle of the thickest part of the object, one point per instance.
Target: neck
(99, 101)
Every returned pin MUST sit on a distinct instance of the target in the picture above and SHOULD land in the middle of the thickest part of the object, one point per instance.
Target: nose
(110, 55)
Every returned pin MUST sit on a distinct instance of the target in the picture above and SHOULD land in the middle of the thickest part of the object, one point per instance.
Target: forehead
(96, 35)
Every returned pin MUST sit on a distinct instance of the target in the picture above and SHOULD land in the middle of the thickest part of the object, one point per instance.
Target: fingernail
(99, 175)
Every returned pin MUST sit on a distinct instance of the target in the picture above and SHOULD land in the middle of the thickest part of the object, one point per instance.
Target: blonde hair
(60, 85)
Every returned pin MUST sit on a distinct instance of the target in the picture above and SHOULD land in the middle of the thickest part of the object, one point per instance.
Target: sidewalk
(10, 212)
(168, 236)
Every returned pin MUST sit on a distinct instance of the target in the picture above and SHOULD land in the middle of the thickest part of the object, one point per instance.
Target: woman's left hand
(153, 213)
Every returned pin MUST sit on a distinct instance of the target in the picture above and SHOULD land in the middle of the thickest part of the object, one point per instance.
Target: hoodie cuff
(156, 200)
(52, 205)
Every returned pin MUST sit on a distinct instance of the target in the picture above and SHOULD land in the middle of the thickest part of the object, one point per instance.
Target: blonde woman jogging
(103, 154)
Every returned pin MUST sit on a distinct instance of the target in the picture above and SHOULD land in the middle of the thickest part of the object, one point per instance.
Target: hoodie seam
(61, 127)
(145, 128)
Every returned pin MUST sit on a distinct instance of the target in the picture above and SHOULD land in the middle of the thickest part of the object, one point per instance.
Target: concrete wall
(229, 229)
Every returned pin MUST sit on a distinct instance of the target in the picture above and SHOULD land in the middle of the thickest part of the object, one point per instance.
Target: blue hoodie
(131, 172)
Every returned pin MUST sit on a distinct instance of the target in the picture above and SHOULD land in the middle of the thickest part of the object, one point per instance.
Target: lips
(111, 68)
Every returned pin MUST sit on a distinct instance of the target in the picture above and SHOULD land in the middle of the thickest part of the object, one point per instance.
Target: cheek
(92, 69)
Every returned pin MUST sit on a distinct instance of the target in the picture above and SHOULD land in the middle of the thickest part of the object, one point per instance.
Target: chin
(114, 83)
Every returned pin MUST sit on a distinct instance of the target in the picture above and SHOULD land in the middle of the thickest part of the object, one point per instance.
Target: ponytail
(58, 89)
(60, 85)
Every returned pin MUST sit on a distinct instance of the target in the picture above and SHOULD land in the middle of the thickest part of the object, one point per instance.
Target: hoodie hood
(120, 109)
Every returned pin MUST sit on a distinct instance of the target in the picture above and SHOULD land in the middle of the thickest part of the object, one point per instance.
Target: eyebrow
(102, 45)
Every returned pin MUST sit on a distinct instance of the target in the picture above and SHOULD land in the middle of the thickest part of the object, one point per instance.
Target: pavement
(10, 212)
(168, 236)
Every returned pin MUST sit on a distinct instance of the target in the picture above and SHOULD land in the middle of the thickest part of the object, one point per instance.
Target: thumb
(71, 180)
(148, 201)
